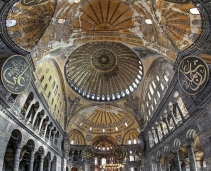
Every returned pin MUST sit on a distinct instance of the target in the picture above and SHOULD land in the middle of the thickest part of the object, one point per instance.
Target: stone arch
(166, 150)
(191, 134)
(27, 104)
(47, 161)
(176, 143)
(12, 153)
(54, 164)
(158, 155)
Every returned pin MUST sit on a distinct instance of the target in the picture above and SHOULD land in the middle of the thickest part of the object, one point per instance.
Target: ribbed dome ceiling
(103, 71)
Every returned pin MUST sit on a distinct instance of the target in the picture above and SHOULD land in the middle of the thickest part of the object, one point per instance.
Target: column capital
(175, 150)
(189, 142)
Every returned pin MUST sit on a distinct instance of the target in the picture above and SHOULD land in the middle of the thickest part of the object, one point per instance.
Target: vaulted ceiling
(103, 56)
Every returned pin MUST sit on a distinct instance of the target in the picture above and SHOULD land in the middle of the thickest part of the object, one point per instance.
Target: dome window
(166, 78)
(158, 78)
(194, 11)
(148, 21)
(11, 23)
(61, 20)
(126, 124)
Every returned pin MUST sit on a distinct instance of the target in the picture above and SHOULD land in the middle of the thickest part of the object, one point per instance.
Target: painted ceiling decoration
(31, 23)
(103, 55)
(181, 27)
(103, 71)
(103, 119)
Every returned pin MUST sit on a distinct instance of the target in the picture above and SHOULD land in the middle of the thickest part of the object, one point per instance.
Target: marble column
(170, 111)
(153, 135)
(31, 161)
(35, 117)
(49, 164)
(17, 156)
(51, 128)
(46, 127)
(53, 141)
(41, 122)
(41, 163)
(201, 163)
(166, 158)
(177, 160)
(157, 134)
(159, 168)
(167, 123)
(191, 156)
(28, 109)
(87, 167)
(161, 127)
(180, 111)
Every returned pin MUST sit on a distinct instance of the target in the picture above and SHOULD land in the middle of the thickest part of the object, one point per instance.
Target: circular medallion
(103, 71)
(87, 154)
(193, 74)
(16, 74)
(120, 153)
(88, 137)
(104, 60)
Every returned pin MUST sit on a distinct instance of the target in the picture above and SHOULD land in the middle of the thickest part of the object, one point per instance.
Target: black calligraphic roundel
(16, 74)
(193, 74)
(87, 154)
(120, 153)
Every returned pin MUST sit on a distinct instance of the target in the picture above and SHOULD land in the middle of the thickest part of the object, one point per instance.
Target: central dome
(103, 71)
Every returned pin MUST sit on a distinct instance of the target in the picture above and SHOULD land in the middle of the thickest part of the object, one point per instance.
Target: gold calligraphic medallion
(120, 153)
(16, 74)
(32, 2)
(87, 154)
(193, 74)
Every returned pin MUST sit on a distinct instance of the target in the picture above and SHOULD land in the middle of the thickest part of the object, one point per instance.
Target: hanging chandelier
(111, 166)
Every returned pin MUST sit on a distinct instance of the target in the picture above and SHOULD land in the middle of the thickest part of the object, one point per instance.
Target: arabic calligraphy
(16, 74)
(120, 153)
(32, 2)
(87, 154)
(193, 74)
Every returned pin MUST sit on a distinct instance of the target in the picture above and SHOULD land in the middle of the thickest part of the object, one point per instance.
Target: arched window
(49, 78)
(52, 101)
(166, 78)
(49, 94)
(162, 87)
(41, 79)
(96, 161)
(53, 85)
(103, 161)
(45, 86)
(56, 89)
